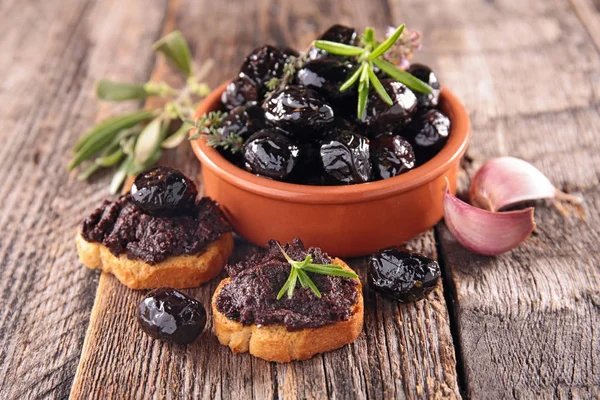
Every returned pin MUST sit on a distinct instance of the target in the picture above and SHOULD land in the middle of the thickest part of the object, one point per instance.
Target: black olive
(380, 116)
(336, 33)
(424, 73)
(170, 315)
(262, 64)
(391, 156)
(428, 133)
(239, 92)
(163, 191)
(243, 121)
(289, 52)
(326, 76)
(269, 153)
(299, 110)
(345, 158)
(401, 275)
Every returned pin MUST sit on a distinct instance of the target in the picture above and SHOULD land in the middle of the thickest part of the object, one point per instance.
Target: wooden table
(525, 324)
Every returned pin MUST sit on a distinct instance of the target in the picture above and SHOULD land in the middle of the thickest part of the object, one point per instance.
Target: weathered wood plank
(527, 320)
(52, 54)
(405, 351)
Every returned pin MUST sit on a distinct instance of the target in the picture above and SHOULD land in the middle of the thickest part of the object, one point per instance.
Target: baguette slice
(178, 272)
(276, 343)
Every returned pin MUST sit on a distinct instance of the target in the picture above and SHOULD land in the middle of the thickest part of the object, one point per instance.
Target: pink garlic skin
(485, 232)
(505, 181)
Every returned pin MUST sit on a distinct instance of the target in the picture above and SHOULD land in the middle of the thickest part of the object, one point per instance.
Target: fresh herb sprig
(291, 66)
(369, 56)
(135, 140)
(298, 272)
(206, 126)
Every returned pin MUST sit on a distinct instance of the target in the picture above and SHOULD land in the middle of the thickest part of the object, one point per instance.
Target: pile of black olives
(309, 133)
(170, 315)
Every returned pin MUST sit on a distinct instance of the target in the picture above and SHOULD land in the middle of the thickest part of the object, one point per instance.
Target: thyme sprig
(291, 66)
(207, 127)
(135, 141)
(369, 56)
(298, 272)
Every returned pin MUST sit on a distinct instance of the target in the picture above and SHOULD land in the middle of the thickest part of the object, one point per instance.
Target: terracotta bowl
(343, 220)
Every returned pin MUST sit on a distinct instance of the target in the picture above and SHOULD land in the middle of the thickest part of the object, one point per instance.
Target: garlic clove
(485, 232)
(505, 181)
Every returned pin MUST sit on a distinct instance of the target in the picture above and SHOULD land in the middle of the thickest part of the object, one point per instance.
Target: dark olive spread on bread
(250, 297)
(124, 228)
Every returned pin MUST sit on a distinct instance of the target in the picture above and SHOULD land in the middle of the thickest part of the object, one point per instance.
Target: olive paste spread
(125, 229)
(250, 297)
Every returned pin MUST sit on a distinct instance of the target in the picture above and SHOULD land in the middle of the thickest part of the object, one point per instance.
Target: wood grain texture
(52, 54)
(405, 351)
(528, 73)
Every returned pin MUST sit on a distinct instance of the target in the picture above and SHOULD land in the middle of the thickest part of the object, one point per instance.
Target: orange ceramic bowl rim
(454, 148)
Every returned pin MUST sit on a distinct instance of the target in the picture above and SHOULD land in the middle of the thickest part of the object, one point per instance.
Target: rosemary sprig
(370, 55)
(298, 272)
(207, 127)
(135, 141)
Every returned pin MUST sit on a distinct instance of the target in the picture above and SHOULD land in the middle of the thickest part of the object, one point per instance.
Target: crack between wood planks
(450, 297)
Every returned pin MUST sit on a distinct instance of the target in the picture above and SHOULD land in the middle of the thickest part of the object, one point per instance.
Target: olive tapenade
(158, 219)
(251, 295)
(124, 228)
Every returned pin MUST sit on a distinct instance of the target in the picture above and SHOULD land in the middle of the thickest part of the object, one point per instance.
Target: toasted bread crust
(177, 272)
(276, 343)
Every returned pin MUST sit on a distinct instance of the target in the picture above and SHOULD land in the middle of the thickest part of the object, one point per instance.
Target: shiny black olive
(424, 73)
(262, 64)
(336, 33)
(269, 153)
(163, 191)
(391, 156)
(299, 110)
(428, 133)
(346, 159)
(239, 92)
(401, 275)
(243, 121)
(325, 76)
(170, 315)
(380, 116)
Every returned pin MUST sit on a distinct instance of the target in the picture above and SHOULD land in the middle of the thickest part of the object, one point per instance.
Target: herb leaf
(148, 141)
(385, 46)
(339, 49)
(403, 76)
(117, 91)
(351, 80)
(177, 138)
(120, 175)
(176, 49)
(363, 91)
(111, 159)
(112, 125)
(379, 87)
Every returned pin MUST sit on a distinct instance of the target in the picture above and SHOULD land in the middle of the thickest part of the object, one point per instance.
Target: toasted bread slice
(178, 272)
(276, 343)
